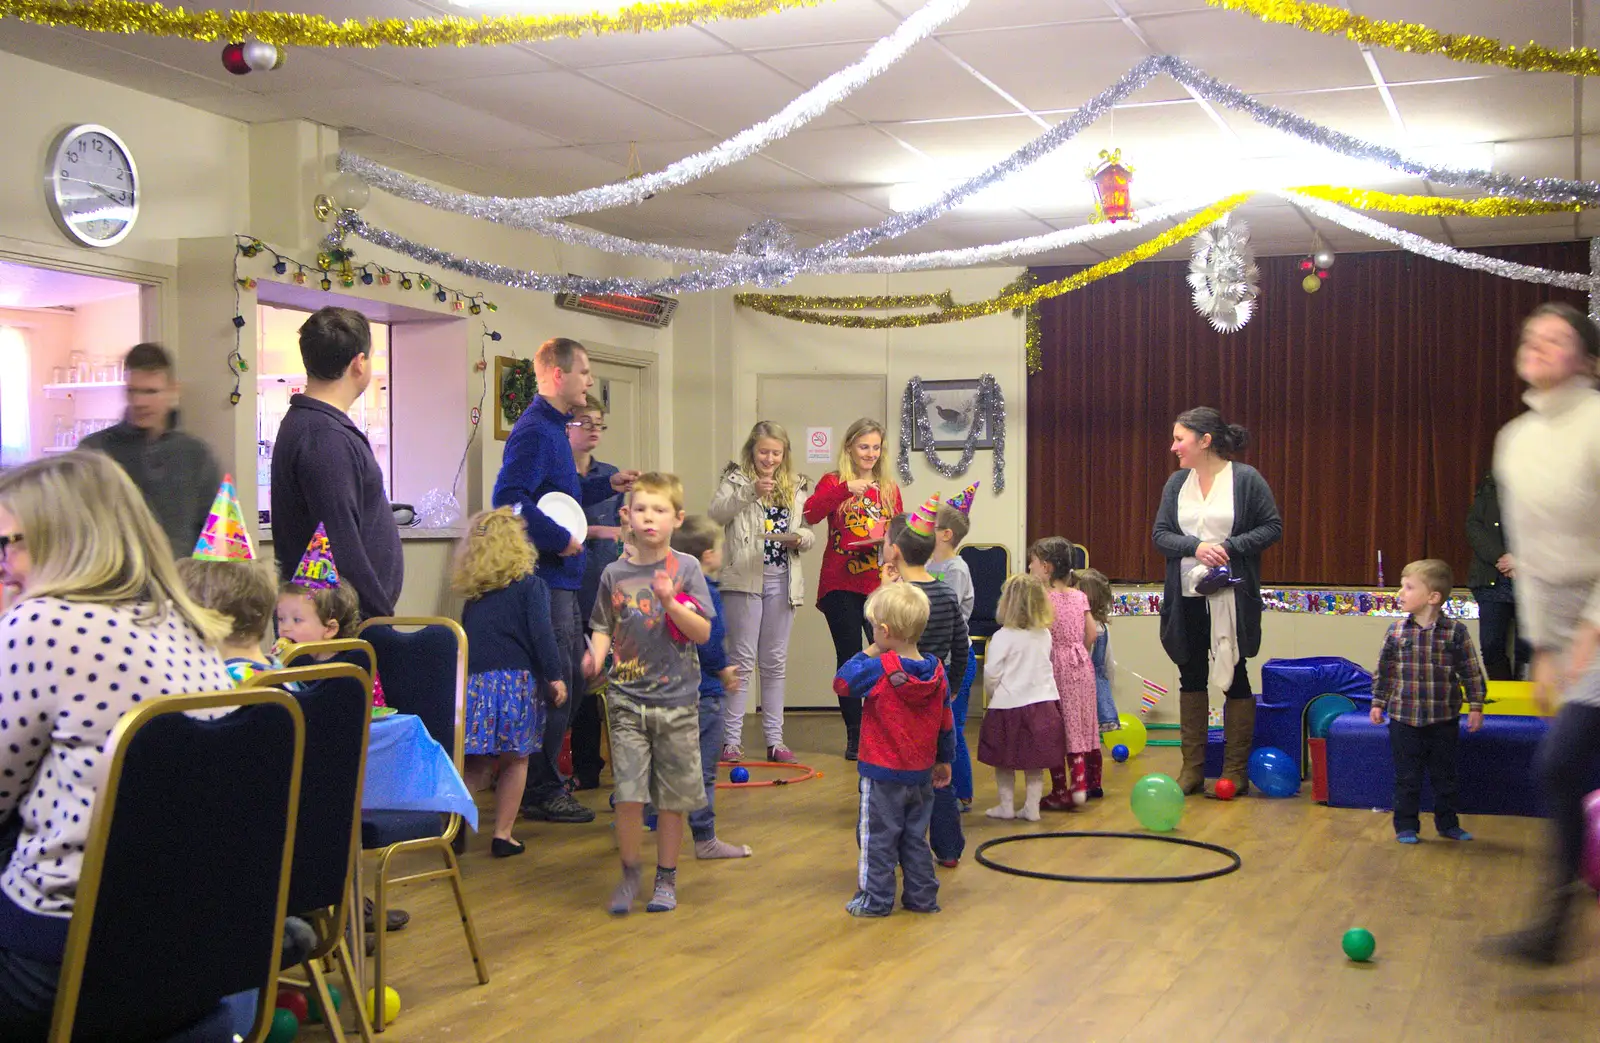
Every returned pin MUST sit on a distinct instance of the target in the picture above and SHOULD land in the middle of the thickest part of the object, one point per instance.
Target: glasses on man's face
(587, 425)
(7, 541)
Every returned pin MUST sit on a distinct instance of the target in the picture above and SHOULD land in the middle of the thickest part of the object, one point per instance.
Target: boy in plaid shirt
(1427, 660)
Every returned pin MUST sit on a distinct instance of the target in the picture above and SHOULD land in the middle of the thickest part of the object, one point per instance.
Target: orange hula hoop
(809, 774)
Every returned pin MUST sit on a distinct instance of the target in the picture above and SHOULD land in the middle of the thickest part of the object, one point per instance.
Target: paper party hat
(962, 501)
(224, 537)
(923, 518)
(317, 570)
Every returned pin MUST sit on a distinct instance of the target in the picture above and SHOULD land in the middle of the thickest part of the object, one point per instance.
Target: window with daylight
(14, 383)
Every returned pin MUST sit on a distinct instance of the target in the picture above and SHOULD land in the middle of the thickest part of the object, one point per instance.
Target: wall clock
(91, 185)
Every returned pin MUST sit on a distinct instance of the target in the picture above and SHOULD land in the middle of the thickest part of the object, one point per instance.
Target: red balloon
(1225, 790)
(233, 59)
(293, 1001)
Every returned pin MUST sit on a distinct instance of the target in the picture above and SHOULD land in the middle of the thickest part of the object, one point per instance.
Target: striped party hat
(924, 518)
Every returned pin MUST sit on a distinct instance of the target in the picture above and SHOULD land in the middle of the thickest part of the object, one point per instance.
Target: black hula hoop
(1190, 878)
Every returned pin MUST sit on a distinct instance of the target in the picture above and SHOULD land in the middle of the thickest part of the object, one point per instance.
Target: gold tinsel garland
(1022, 295)
(1433, 206)
(1418, 39)
(308, 30)
(803, 308)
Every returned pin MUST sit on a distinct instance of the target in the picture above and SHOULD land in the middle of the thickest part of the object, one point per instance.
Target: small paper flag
(924, 518)
(224, 537)
(1150, 695)
(317, 570)
(962, 501)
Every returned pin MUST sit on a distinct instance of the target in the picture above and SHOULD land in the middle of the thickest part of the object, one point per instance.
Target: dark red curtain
(1372, 406)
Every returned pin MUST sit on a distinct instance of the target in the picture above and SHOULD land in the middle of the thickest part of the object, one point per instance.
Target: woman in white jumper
(760, 502)
(1547, 468)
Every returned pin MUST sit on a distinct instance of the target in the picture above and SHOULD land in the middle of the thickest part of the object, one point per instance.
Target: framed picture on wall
(952, 406)
(514, 391)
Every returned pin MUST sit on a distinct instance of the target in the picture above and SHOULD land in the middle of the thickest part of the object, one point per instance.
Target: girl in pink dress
(1072, 634)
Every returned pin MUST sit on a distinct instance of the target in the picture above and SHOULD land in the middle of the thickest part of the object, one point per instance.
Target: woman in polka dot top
(100, 622)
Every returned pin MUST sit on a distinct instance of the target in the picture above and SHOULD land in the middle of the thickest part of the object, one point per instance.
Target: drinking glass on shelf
(58, 374)
(75, 368)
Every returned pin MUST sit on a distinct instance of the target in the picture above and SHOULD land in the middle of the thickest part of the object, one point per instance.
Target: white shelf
(66, 390)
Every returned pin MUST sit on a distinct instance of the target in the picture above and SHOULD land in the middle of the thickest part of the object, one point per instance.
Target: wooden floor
(762, 949)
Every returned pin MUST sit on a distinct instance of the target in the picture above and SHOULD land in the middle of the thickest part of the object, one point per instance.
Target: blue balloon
(740, 774)
(1119, 753)
(1274, 772)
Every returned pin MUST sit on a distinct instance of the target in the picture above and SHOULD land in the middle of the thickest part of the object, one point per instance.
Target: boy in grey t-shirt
(652, 610)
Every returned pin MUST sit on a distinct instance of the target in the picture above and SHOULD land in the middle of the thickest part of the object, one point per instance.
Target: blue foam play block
(1496, 775)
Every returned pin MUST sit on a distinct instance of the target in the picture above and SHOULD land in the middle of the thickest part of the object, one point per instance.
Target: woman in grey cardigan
(1216, 518)
(760, 503)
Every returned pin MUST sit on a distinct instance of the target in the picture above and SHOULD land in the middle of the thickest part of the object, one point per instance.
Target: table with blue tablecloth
(408, 771)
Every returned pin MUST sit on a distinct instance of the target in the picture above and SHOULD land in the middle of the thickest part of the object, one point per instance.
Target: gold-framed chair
(336, 700)
(346, 649)
(191, 842)
(424, 662)
(989, 564)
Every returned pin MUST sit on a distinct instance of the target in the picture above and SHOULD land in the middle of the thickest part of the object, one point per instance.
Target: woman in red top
(853, 499)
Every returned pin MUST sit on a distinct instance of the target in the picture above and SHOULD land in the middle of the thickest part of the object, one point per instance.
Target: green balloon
(1157, 802)
(314, 1013)
(285, 1026)
(1359, 944)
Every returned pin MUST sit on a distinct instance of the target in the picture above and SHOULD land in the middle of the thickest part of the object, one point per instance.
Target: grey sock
(622, 898)
(665, 898)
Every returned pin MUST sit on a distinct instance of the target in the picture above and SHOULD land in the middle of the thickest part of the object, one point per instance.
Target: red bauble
(233, 59)
(1225, 790)
(1306, 264)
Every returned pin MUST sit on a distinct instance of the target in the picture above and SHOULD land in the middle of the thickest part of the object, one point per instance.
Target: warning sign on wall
(819, 445)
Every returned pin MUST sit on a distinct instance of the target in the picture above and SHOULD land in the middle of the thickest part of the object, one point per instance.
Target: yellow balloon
(1131, 734)
(391, 1004)
(1311, 283)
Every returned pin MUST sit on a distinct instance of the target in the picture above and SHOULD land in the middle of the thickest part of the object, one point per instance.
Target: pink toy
(672, 628)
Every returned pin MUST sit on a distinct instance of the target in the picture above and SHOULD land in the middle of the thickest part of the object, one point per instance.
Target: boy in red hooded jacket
(907, 742)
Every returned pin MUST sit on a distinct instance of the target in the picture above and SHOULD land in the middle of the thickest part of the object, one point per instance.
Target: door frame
(649, 366)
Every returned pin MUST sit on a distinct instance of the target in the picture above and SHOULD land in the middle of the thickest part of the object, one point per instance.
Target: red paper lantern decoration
(1113, 182)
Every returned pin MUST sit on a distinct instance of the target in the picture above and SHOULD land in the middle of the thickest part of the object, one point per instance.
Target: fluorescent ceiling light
(1060, 182)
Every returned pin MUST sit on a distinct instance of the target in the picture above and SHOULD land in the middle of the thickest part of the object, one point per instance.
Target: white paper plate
(565, 512)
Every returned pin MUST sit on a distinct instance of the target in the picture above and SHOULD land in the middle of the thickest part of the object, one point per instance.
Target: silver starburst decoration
(1223, 275)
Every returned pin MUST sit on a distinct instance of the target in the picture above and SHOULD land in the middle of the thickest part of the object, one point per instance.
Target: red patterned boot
(1094, 774)
(1080, 779)
(1060, 796)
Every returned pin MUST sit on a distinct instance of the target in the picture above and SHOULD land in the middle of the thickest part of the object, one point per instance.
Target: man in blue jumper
(538, 460)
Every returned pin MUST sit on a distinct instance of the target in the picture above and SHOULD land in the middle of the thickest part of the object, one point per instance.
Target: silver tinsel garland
(991, 403)
(1223, 274)
(1438, 251)
(1594, 274)
(802, 110)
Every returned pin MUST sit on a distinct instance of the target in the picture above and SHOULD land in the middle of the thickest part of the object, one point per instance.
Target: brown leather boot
(1238, 734)
(1060, 798)
(1193, 708)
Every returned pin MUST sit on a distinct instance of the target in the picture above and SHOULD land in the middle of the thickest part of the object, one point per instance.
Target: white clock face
(92, 186)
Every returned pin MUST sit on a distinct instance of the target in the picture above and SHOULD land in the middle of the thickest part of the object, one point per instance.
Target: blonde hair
(244, 591)
(1097, 589)
(880, 472)
(902, 608)
(90, 538)
(495, 553)
(1434, 574)
(1024, 604)
(661, 484)
(783, 491)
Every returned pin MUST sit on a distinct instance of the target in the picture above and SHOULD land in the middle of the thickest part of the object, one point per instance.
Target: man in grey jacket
(175, 471)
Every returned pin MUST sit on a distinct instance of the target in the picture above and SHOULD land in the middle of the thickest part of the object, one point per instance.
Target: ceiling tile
(1254, 56)
(1359, 111)
(1517, 23)
(1501, 108)
(811, 208)
(588, 51)
(413, 116)
(723, 93)
(1006, 14)
(902, 92)
(1058, 67)
(968, 145)
(836, 20)
(848, 156)
(567, 107)
(425, 65)
(556, 170)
